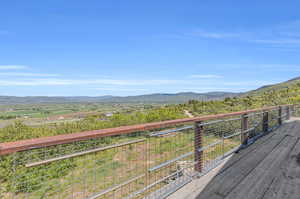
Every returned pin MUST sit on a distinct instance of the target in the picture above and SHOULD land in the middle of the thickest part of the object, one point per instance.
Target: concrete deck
(268, 169)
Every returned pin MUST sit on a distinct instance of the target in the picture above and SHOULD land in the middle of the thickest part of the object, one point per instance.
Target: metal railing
(132, 162)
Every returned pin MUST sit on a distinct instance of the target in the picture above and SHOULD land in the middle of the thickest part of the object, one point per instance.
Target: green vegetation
(49, 110)
(286, 93)
(19, 131)
(108, 162)
(7, 117)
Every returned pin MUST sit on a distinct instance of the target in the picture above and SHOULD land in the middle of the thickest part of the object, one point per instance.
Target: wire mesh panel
(136, 165)
(220, 138)
(255, 124)
(273, 118)
(130, 166)
(170, 161)
(88, 169)
(296, 111)
(286, 113)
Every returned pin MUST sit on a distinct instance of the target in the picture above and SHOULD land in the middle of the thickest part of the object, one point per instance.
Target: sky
(133, 47)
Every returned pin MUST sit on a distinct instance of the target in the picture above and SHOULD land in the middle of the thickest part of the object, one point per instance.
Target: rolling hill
(275, 87)
(151, 98)
(163, 98)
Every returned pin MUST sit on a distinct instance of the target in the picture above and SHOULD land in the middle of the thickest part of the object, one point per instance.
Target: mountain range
(149, 98)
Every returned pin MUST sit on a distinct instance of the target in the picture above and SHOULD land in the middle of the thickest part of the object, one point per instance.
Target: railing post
(280, 116)
(288, 112)
(245, 124)
(198, 145)
(265, 122)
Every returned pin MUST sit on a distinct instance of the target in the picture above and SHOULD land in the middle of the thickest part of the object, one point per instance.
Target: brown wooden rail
(11, 147)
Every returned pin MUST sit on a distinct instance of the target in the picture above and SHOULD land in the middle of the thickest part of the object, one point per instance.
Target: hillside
(170, 98)
(151, 98)
(267, 88)
(287, 92)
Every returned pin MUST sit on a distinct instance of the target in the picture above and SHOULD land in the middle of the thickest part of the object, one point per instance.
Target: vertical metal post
(265, 122)
(244, 125)
(223, 144)
(14, 177)
(280, 115)
(198, 145)
(288, 112)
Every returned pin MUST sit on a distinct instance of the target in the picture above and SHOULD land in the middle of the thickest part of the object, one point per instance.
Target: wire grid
(286, 111)
(255, 124)
(117, 169)
(220, 139)
(273, 118)
(130, 166)
(170, 161)
(296, 111)
(139, 165)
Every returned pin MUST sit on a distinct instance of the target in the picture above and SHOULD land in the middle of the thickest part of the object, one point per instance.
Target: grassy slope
(276, 87)
(283, 93)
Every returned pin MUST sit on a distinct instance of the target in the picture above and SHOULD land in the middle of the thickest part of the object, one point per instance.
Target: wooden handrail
(22, 145)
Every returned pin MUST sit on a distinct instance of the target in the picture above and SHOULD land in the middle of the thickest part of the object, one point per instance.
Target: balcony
(243, 151)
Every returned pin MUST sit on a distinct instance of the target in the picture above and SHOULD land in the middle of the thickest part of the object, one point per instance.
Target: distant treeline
(19, 131)
(7, 117)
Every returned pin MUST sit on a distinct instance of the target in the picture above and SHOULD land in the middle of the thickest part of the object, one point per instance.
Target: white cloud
(56, 81)
(13, 67)
(202, 34)
(115, 85)
(119, 89)
(213, 35)
(277, 41)
(249, 83)
(205, 76)
(282, 35)
(16, 74)
(203, 89)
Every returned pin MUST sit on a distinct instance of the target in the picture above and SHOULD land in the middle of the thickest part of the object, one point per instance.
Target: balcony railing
(133, 162)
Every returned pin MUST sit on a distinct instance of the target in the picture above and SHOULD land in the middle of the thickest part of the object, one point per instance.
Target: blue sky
(75, 47)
